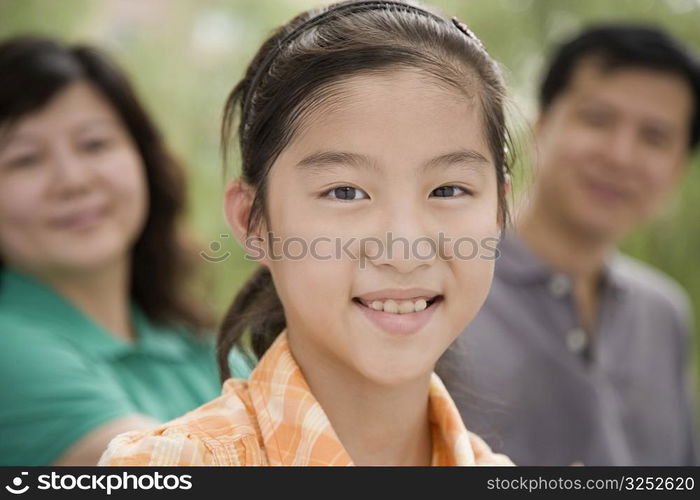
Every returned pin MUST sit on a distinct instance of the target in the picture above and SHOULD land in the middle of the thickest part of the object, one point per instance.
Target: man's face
(611, 147)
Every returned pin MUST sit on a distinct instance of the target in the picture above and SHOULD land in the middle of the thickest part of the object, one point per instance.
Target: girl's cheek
(474, 280)
(472, 240)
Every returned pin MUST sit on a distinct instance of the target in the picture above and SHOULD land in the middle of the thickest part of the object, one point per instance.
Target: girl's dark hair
(297, 67)
(33, 70)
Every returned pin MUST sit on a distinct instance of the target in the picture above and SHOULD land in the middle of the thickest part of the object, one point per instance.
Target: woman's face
(73, 194)
(392, 158)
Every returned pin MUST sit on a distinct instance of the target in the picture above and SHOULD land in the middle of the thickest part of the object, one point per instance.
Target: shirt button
(559, 284)
(576, 340)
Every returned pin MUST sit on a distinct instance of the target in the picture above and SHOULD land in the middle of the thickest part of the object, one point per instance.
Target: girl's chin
(392, 365)
(398, 376)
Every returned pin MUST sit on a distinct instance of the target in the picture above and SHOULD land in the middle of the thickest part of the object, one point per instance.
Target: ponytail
(256, 309)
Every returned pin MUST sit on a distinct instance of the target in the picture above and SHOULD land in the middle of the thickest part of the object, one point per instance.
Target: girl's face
(73, 191)
(394, 157)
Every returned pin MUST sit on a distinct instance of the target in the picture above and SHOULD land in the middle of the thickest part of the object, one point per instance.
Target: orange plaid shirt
(273, 419)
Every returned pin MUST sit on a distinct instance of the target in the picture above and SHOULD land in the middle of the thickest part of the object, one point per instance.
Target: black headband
(343, 9)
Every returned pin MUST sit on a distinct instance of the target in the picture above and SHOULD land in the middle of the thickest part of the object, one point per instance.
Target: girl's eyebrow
(469, 157)
(324, 159)
(328, 159)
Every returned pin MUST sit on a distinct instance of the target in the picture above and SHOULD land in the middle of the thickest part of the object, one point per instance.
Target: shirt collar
(36, 304)
(296, 430)
(517, 263)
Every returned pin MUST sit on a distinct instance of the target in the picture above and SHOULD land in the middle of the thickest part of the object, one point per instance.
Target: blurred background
(185, 56)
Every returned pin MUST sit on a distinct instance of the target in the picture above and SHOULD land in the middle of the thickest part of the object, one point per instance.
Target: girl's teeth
(406, 306)
(403, 307)
(391, 307)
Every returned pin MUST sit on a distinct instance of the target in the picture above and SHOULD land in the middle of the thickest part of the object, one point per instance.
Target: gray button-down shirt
(527, 378)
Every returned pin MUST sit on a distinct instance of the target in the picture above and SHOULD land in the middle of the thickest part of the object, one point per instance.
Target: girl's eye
(346, 193)
(449, 192)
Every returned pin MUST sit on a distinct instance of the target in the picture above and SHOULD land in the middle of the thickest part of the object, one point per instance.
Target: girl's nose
(403, 242)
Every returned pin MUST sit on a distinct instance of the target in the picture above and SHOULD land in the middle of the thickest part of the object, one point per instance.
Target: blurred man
(580, 354)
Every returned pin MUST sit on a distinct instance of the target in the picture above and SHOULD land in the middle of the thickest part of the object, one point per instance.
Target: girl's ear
(238, 202)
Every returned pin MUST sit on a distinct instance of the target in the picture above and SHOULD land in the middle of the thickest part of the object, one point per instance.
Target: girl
(96, 335)
(362, 125)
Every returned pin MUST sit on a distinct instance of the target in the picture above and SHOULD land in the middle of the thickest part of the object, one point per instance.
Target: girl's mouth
(399, 318)
(396, 306)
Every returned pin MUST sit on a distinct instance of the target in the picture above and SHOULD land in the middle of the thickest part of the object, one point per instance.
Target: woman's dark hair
(623, 46)
(33, 70)
(297, 67)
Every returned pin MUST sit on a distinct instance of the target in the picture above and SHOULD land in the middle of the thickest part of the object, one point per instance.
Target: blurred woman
(96, 334)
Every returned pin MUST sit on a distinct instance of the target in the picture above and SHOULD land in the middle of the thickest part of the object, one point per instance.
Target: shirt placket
(572, 337)
(585, 351)
(612, 427)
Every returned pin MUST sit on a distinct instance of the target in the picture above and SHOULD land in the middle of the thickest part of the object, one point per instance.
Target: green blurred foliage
(184, 56)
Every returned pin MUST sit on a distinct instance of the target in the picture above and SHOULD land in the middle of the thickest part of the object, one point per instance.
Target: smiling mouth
(606, 192)
(81, 219)
(399, 306)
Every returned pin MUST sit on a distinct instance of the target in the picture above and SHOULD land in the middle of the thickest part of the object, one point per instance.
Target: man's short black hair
(624, 45)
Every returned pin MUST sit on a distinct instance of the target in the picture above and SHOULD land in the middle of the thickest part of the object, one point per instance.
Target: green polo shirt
(62, 375)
